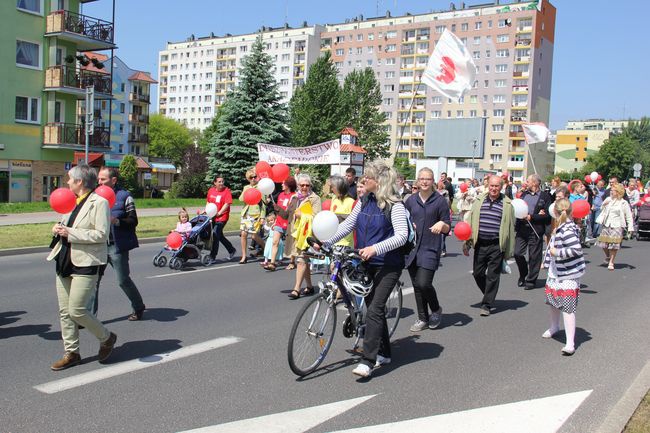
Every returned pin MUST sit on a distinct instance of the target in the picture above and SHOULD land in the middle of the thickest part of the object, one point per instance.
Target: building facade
(512, 46)
(42, 81)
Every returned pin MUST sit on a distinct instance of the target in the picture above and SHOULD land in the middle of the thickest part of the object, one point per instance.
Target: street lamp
(474, 144)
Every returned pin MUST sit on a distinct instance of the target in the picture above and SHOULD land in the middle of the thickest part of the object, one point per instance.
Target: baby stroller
(193, 247)
(643, 221)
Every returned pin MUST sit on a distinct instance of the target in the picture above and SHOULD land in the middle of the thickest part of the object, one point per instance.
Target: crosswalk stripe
(542, 415)
(133, 365)
(299, 420)
(172, 274)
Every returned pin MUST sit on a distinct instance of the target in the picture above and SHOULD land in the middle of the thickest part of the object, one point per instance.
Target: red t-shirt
(220, 198)
(283, 201)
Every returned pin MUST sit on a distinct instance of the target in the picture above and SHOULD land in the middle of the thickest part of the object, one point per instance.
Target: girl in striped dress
(565, 263)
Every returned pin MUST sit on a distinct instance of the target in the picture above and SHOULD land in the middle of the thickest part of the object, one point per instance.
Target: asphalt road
(470, 362)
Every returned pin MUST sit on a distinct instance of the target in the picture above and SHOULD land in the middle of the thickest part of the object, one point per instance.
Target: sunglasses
(302, 185)
(252, 177)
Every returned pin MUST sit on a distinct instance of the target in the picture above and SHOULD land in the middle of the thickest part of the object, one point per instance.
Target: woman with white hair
(379, 219)
(79, 249)
(306, 198)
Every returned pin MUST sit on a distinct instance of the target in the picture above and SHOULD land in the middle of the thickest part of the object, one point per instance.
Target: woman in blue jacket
(381, 229)
(430, 214)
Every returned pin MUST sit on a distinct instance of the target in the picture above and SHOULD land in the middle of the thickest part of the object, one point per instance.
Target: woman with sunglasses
(252, 217)
(381, 228)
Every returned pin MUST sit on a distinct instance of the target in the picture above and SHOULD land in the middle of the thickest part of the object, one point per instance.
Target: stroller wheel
(175, 264)
(206, 260)
(160, 261)
(155, 261)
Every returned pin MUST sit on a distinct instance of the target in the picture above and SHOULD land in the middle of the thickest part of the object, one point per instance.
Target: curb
(623, 410)
(34, 250)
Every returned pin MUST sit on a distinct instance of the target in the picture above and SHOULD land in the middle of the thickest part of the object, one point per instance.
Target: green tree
(614, 158)
(168, 138)
(191, 180)
(362, 101)
(252, 113)
(129, 173)
(403, 167)
(639, 131)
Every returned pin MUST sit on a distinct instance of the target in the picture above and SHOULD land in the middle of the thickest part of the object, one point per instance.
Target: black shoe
(521, 282)
(136, 315)
(529, 286)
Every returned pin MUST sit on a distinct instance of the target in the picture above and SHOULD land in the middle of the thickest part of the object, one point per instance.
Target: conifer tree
(251, 114)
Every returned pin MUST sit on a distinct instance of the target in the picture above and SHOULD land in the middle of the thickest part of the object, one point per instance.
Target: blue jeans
(595, 227)
(120, 263)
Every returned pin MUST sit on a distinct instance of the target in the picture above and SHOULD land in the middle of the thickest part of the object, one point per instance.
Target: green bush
(189, 186)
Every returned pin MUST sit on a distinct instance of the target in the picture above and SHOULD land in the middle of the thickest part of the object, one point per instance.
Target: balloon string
(533, 228)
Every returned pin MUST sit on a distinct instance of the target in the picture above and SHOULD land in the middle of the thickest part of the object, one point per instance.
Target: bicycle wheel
(394, 308)
(311, 335)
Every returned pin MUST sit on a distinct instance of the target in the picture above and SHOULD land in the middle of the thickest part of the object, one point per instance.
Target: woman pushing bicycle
(381, 229)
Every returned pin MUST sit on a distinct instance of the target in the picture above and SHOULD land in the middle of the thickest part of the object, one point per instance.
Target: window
(122, 107)
(286, 44)
(436, 100)
(497, 99)
(28, 54)
(477, 40)
(27, 109)
(359, 37)
(390, 48)
(459, 113)
(369, 63)
(473, 99)
(478, 25)
(35, 6)
(388, 101)
(284, 69)
(497, 142)
(436, 114)
(472, 113)
(371, 50)
(389, 87)
(502, 23)
(440, 29)
(495, 157)
(503, 53)
(339, 51)
(357, 64)
(359, 50)
(390, 61)
(498, 127)
(503, 38)
(243, 48)
(284, 82)
(487, 54)
(371, 36)
(464, 27)
(350, 50)
(391, 34)
(389, 74)
(499, 83)
(339, 65)
(57, 111)
(285, 57)
(499, 113)
(502, 68)
(476, 54)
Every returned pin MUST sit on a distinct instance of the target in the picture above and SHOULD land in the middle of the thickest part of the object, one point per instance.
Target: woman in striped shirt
(566, 265)
(381, 229)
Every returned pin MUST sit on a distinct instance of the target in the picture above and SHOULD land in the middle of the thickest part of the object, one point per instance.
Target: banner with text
(328, 152)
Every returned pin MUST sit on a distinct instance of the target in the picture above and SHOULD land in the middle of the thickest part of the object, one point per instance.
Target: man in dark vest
(123, 239)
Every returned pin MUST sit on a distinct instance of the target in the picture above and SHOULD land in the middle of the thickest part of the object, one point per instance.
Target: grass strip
(140, 203)
(640, 421)
(40, 235)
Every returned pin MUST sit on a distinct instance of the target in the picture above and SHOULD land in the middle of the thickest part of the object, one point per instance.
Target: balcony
(66, 79)
(138, 138)
(515, 164)
(86, 32)
(519, 89)
(300, 48)
(516, 149)
(523, 43)
(138, 118)
(72, 136)
(514, 134)
(138, 97)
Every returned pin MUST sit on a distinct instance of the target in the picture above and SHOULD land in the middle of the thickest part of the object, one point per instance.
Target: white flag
(535, 132)
(451, 70)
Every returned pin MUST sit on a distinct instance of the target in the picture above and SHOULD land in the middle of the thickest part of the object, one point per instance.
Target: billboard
(455, 138)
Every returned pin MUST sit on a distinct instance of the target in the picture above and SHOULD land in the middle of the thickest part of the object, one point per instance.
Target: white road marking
(542, 415)
(191, 272)
(134, 365)
(299, 420)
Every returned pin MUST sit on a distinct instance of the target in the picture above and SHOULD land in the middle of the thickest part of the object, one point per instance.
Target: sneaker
(485, 310)
(419, 326)
(106, 348)
(70, 359)
(435, 319)
(443, 254)
(382, 360)
(568, 351)
(231, 255)
(362, 370)
(549, 334)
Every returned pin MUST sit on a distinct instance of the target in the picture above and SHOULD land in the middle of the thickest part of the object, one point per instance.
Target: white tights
(569, 326)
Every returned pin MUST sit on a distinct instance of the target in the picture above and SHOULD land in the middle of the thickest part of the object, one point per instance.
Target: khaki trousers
(73, 293)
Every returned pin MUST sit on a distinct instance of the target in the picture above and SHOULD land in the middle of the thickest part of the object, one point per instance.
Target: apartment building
(512, 46)
(573, 146)
(195, 75)
(43, 44)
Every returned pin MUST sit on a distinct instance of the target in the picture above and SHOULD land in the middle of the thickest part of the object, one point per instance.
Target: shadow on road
(582, 336)
(501, 305)
(407, 351)
(454, 319)
(157, 314)
(144, 350)
(10, 317)
(18, 331)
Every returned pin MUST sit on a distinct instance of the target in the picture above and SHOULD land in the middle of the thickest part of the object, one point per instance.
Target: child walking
(566, 264)
(268, 238)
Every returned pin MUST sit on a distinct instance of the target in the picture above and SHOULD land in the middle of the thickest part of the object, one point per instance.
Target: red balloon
(174, 240)
(280, 172)
(599, 178)
(63, 200)
(463, 231)
(252, 196)
(106, 192)
(263, 169)
(463, 187)
(647, 198)
(580, 208)
(326, 205)
(588, 179)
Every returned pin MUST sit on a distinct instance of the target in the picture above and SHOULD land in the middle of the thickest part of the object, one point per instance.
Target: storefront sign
(21, 165)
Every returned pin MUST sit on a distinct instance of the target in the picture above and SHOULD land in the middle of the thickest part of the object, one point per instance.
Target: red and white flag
(451, 70)
(535, 132)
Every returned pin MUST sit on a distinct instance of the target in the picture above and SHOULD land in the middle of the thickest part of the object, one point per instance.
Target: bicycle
(313, 329)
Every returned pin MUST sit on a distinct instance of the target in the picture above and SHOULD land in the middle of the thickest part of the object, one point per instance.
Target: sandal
(243, 261)
(291, 266)
(294, 294)
(307, 291)
(610, 267)
(270, 267)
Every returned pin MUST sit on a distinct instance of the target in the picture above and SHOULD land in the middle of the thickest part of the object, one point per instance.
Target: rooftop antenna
(286, 11)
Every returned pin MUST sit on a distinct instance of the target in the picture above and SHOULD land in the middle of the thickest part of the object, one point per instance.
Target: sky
(601, 65)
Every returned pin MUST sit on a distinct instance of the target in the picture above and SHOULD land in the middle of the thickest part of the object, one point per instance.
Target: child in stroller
(193, 246)
(643, 218)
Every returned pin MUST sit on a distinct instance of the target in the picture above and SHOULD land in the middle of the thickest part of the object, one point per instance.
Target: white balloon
(551, 210)
(521, 208)
(325, 225)
(266, 186)
(210, 209)
(594, 176)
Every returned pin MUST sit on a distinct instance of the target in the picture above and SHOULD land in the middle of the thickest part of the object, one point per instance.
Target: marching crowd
(376, 213)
